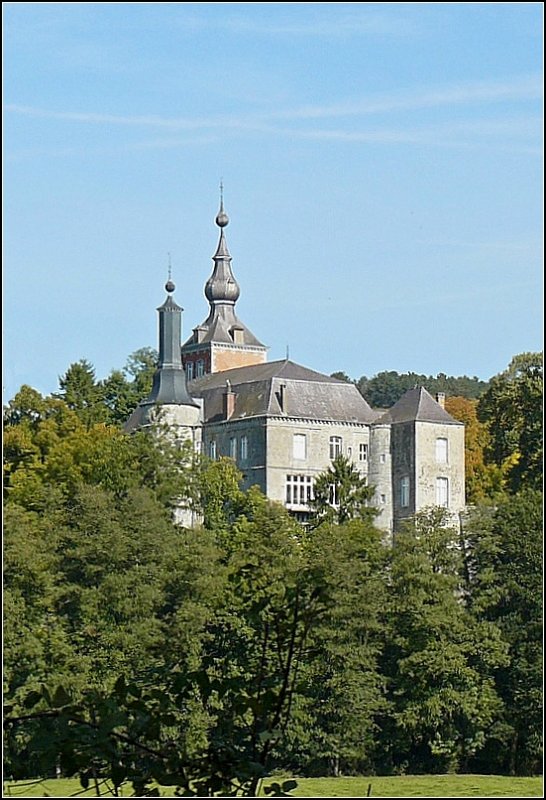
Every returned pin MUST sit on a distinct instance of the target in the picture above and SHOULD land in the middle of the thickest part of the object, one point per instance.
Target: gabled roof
(417, 405)
(305, 394)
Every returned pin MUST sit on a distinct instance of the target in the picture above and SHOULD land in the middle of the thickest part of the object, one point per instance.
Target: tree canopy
(140, 651)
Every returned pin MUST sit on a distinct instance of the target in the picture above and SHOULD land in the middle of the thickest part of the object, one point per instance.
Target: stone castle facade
(283, 423)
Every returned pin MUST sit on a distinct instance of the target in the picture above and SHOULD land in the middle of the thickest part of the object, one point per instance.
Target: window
(299, 446)
(362, 452)
(237, 335)
(189, 370)
(382, 458)
(233, 448)
(299, 490)
(212, 449)
(404, 492)
(442, 492)
(334, 494)
(335, 446)
(200, 368)
(244, 448)
(382, 499)
(441, 451)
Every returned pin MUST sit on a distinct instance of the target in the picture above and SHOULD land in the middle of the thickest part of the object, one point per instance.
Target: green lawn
(403, 786)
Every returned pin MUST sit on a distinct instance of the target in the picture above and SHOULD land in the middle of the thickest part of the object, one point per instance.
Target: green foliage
(341, 494)
(138, 651)
(505, 582)
(81, 393)
(49, 449)
(438, 658)
(340, 687)
(483, 481)
(386, 388)
(123, 390)
(219, 492)
(512, 409)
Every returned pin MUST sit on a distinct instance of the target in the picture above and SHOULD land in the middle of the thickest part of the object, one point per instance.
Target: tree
(81, 393)
(48, 446)
(341, 494)
(341, 376)
(123, 389)
(219, 491)
(504, 566)
(387, 387)
(203, 717)
(512, 410)
(439, 660)
(334, 722)
(483, 481)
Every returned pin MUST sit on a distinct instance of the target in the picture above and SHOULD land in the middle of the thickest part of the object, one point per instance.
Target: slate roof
(217, 327)
(307, 394)
(417, 405)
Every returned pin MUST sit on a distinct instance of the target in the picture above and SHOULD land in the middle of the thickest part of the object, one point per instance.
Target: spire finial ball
(222, 219)
(169, 286)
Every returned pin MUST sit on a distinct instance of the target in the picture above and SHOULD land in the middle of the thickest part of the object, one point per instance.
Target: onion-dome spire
(221, 287)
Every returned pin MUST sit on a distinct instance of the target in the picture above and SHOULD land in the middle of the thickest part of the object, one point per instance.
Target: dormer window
(237, 334)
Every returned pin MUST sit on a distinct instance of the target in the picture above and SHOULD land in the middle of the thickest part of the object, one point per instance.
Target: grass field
(402, 786)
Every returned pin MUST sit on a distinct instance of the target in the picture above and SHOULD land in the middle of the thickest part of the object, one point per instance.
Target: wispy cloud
(527, 87)
(448, 134)
(517, 89)
(295, 122)
(340, 24)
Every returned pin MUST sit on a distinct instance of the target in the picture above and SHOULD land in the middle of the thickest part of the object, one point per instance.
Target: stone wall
(280, 450)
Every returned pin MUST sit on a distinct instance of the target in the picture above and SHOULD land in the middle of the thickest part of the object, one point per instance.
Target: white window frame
(442, 450)
(336, 447)
(243, 448)
(189, 370)
(199, 368)
(299, 446)
(233, 448)
(404, 491)
(442, 492)
(299, 490)
(334, 495)
(362, 451)
(212, 449)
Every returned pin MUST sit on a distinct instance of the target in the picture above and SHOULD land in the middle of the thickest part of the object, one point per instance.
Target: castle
(283, 423)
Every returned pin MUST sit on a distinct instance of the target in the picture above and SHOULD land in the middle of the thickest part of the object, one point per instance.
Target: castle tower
(169, 402)
(425, 447)
(222, 341)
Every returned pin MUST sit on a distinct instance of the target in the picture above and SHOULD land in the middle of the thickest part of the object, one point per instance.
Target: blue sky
(382, 166)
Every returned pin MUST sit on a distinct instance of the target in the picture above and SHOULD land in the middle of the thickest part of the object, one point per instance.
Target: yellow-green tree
(483, 480)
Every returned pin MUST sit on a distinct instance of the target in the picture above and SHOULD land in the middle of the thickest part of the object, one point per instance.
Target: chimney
(228, 401)
(441, 399)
